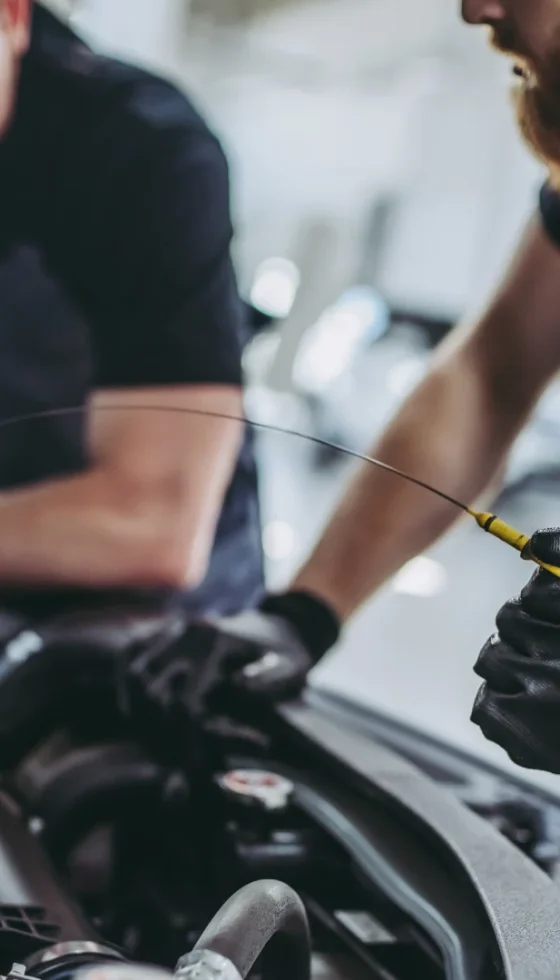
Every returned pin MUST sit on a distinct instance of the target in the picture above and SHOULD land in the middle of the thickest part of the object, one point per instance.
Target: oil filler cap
(257, 787)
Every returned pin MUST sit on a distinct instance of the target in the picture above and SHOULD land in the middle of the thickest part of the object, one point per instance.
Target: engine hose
(265, 917)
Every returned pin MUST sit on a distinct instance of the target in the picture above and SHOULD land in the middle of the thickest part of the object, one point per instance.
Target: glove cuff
(316, 622)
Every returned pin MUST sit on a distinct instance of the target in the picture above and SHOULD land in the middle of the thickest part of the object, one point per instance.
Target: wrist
(313, 619)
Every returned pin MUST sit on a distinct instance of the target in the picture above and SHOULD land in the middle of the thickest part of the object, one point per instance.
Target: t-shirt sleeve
(160, 281)
(549, 202)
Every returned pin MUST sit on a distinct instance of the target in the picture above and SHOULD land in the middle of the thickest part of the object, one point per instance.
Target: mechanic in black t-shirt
(117, 289)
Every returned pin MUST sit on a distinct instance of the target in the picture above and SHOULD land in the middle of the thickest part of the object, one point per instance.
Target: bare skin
(457, 427)
(15, 17)
(145, 513)
(454, 431)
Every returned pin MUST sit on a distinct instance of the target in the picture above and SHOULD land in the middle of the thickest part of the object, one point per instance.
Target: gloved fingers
(254, 653)
(275, 675)
(253, 629)
(545, 545)
(509, 672)
(527, 633)
(499, 665)
(519, 705)
(229, 650)
(210, 659)
(261, 652)
(508, 721)
(205, 670)
(238, 655)
(541, 597)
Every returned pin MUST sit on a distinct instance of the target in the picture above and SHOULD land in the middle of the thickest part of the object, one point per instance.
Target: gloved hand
(518, 706)
(268, 652)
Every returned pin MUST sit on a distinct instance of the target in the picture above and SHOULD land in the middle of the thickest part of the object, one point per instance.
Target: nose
(482, 11)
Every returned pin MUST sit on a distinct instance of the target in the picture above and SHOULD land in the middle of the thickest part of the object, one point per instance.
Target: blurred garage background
(379, 186)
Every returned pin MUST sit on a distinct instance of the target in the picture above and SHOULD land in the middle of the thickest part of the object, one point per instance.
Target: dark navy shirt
(550, 212)
(115, 269)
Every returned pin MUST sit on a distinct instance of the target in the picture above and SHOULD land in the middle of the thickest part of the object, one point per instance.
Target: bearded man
(455, 432)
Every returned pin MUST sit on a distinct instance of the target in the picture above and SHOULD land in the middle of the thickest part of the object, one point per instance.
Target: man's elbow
(175, 573)
(173, 563)
(161, 539)
(162, 551)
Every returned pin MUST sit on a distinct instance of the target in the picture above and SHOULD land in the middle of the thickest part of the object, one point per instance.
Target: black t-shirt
(549, 202)
(115, 266)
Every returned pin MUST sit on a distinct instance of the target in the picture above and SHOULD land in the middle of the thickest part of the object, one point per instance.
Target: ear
(17, 20)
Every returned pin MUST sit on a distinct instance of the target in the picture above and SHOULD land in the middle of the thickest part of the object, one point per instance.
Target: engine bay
(145, 827)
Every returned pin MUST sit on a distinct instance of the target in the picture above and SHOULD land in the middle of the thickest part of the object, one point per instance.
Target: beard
(536, 99)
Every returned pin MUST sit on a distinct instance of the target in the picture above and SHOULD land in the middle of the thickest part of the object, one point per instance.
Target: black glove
(518, 706)
(269, 652)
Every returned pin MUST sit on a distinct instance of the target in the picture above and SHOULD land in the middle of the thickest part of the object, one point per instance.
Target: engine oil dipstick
(516, 539)
(488, 522)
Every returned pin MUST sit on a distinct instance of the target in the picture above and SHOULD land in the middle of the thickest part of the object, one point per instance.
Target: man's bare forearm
(145, 514)
(89, 532)
(453, 432)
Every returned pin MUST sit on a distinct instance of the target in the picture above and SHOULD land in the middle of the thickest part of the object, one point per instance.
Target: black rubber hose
(265, 917)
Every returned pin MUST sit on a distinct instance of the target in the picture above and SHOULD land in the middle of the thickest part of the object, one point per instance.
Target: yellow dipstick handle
(515, 539)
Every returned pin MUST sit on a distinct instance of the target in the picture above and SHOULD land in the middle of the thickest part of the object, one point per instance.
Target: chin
(538, 116)
(554, 176)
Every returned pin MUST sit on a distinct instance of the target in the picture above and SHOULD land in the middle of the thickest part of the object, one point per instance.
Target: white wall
(327, 105)
(148, 31)
(320, 117)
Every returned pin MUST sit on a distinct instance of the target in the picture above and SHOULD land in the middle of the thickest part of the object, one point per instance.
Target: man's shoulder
(103, 98)
(143, 102)
(121, 165)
